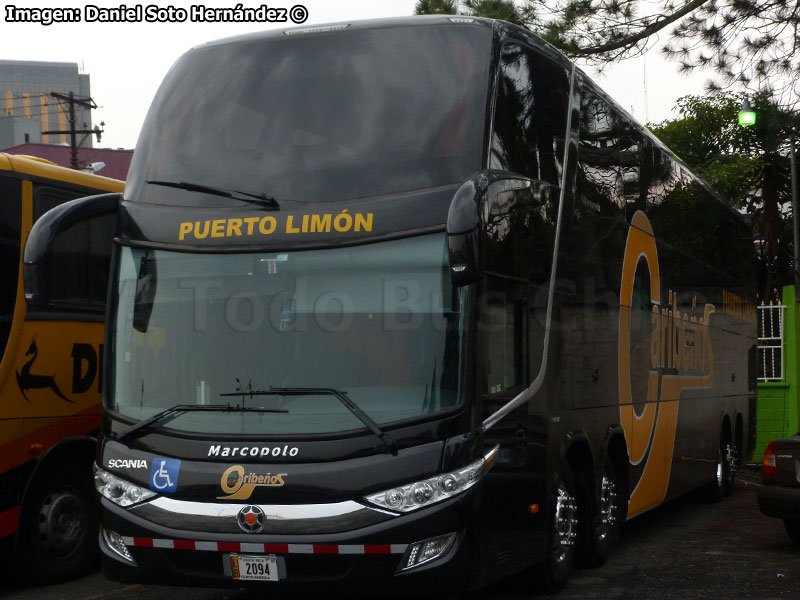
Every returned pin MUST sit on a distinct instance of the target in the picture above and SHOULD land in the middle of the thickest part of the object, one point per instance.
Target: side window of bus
(10, 236)
(502, 324)
(590, 260)
(77, 268)
(712, 251)
(46, 197)
(649, 175)
(530, 118)
(599, 177)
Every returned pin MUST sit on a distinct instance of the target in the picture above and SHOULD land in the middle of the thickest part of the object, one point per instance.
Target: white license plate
(259, 568)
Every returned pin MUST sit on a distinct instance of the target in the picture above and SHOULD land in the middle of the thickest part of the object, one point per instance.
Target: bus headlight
(429, 491)
(118, 490)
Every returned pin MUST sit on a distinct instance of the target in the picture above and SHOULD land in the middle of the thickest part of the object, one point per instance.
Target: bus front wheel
(562, 531)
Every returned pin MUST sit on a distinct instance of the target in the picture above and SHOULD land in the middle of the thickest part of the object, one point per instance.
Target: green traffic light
(747, 116)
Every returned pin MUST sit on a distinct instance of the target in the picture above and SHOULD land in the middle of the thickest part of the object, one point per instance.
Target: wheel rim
(730, 461)
(726, 463)
(62, 523)
(608, 508)
(730, 457)
(566, 523)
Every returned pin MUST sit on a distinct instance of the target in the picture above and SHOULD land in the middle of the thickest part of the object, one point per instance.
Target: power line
(72, 101)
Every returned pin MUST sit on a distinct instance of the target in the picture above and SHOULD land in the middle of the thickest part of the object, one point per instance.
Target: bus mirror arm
(468, 215)
(44, 232)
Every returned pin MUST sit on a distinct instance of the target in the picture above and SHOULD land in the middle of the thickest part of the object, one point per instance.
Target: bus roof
(340, 26)
(39, 167)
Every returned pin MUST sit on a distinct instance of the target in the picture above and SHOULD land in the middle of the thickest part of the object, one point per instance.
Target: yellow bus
(50, 372)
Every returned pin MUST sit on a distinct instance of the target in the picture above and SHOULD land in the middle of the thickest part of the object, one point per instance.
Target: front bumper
(779, 501)
(356, 560)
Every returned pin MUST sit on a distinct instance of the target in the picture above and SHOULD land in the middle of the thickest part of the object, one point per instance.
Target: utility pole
(795, 216)
(86, 103)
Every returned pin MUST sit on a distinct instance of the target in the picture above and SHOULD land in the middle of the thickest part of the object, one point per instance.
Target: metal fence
(770, 342)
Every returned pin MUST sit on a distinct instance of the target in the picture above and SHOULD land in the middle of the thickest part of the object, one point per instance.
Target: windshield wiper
(388, 443)
(260, 199)
(144, 423)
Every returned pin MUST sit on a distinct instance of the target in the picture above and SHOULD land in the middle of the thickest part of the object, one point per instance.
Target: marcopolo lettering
(253, 451)
(342, 222)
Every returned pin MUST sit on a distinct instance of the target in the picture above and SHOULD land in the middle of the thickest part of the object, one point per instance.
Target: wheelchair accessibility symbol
(164, 474)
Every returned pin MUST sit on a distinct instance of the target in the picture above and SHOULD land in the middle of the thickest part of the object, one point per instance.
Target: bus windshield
(318, 117)
(379, 323)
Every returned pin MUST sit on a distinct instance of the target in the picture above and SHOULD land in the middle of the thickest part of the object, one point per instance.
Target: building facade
(29, 109)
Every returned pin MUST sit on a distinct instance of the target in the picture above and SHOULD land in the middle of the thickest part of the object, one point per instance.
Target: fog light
(423, 552)
(115, 542)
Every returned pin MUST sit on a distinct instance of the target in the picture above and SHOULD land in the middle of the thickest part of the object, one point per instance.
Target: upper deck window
(530, 119)
(321, 117)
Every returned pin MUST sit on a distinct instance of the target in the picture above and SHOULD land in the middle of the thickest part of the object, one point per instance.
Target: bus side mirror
(481, 195)
(462, 233)
(43, 233)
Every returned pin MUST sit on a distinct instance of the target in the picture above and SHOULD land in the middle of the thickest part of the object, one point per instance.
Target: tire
(60, 526)
(601, 521)
(562, 531)
(722, 484)
(792, 527)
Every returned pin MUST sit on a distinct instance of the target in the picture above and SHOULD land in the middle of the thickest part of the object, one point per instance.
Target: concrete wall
(16, 129)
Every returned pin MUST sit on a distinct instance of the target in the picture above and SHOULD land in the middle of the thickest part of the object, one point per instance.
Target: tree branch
(644, 33)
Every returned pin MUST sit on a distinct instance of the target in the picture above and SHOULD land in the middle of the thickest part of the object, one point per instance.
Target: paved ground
(689, 549)
(684, 550)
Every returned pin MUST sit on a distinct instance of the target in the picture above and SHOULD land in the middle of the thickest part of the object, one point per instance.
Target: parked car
(780, 473)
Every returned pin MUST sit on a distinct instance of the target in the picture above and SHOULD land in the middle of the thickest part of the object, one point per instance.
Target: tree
(436, 7)
(492, 9)
(750, 166)
(707, 137)
(749, 43)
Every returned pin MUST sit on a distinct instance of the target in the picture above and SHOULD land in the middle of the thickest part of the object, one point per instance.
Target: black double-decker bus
(409, 302)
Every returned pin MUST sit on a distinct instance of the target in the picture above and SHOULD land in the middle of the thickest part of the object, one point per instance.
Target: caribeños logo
(240, 485)
(680, 357)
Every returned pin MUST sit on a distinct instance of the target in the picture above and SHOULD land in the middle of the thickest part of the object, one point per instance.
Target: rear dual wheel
(600, 529)
(725, 472)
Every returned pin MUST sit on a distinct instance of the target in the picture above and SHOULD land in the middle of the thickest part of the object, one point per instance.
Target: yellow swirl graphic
(650, 436)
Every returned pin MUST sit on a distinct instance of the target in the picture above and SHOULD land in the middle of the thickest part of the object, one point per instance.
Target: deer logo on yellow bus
(28, 381)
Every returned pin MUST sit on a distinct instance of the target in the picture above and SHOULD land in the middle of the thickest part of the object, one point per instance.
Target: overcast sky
(127, 61)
